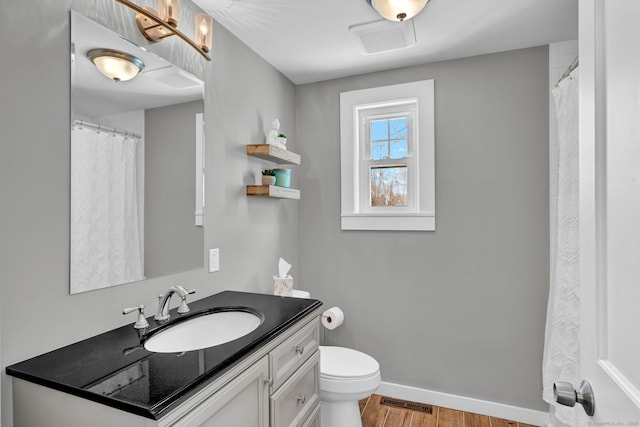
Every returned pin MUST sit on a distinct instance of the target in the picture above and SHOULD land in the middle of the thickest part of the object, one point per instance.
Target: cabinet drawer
(314, 419)
(298, 397)
(292, 353)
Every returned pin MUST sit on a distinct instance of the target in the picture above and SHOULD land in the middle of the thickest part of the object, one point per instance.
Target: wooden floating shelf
(273, 153)
(273, 191)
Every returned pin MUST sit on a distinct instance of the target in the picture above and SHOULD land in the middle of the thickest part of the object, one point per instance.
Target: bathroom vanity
(269, 377)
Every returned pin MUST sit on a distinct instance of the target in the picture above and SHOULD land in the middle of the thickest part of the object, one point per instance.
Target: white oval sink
(203, 331)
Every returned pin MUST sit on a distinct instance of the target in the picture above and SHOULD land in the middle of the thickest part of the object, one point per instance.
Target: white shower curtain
(561, 349)
(106, 247)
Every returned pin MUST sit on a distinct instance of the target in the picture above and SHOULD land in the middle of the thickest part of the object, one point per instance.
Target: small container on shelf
(268, 180)
(268, 177)
(283, 177)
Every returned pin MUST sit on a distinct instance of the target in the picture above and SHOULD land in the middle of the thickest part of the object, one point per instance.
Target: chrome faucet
(163, 302)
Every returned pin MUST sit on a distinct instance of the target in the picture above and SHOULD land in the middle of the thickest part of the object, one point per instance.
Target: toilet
(346, 376)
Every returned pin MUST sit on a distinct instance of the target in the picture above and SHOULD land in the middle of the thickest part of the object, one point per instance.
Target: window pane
(389, 186)
(398, 128)
(399, 149)
(379, 129)
(379, 150)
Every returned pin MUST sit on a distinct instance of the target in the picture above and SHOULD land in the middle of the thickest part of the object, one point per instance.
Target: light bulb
(168, 10)
(203, 31)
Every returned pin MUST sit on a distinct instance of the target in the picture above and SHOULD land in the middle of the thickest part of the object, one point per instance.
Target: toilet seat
(346, 363)
(344, 371)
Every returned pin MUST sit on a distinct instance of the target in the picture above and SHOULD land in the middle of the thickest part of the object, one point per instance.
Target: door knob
(566, 395)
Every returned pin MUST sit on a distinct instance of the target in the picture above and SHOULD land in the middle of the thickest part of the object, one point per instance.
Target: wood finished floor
(376, 415)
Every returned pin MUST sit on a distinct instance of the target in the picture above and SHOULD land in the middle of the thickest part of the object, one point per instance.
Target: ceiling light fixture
(398, 10)
(116, 65)
(156, 26)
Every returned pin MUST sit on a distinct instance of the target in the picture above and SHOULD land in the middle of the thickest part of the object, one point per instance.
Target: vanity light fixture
(204, 35)
(398, 10)
(156, 26)
(116, 65)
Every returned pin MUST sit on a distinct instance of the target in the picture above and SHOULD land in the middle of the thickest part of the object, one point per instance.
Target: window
(387, 158)
(386, 141)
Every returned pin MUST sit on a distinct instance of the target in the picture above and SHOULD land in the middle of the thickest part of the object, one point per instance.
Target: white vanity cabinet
(278, 385)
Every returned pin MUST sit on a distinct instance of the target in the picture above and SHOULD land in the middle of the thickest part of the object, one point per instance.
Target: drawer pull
(301, 399)
(299, 350)
(268, 381)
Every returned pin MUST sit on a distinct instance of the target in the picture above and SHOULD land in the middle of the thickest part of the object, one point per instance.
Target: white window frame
(357, 108)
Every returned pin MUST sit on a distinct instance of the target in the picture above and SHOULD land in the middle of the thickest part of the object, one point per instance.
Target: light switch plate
(214, 260)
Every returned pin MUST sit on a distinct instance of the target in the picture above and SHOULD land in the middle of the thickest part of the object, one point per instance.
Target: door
(610, 209)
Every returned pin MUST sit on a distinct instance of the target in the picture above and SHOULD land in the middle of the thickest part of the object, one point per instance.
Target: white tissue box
(283, 286)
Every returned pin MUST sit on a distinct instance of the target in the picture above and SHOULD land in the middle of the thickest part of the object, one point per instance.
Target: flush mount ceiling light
(156, 26)
(116, 65)
(398, 10)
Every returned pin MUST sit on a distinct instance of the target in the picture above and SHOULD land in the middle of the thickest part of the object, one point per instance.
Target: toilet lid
(340, 362)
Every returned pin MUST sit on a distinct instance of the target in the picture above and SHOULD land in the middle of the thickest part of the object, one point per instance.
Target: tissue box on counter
(283, 286)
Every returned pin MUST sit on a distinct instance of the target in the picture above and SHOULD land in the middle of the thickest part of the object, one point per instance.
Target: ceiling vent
(384, 36)
(173, 77)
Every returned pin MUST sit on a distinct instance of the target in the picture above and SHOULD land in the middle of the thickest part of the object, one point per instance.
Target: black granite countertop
(112, 368)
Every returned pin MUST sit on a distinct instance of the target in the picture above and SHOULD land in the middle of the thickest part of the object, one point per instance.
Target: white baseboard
(467, 404)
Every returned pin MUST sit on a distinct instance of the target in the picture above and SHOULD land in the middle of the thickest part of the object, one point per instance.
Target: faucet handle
(184, 308)
(141, 322)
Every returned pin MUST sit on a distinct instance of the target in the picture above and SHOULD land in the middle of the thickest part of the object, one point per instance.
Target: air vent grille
(384, 36)
(404, 404)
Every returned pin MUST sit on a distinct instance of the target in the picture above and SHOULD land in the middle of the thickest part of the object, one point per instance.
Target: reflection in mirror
(136, 164)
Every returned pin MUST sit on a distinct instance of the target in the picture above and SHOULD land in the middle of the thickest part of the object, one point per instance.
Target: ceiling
(310, 40)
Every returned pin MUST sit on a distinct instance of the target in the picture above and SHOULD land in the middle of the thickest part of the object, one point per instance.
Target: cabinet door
(242, 402)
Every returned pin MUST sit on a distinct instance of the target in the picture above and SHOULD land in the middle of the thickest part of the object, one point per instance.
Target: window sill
(396, 222)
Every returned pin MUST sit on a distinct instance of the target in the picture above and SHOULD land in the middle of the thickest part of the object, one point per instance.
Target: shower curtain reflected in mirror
(106, 238)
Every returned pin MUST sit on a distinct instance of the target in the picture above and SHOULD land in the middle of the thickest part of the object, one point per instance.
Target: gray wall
(172, 242)
(460, 310)
(243, 95)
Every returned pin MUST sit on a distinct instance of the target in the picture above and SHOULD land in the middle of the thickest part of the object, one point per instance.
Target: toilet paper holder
(332, 318)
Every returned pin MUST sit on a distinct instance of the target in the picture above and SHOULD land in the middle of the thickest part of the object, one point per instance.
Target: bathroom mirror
(136, 164)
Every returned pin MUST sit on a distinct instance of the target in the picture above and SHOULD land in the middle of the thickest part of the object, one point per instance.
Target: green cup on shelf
(283, 177)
